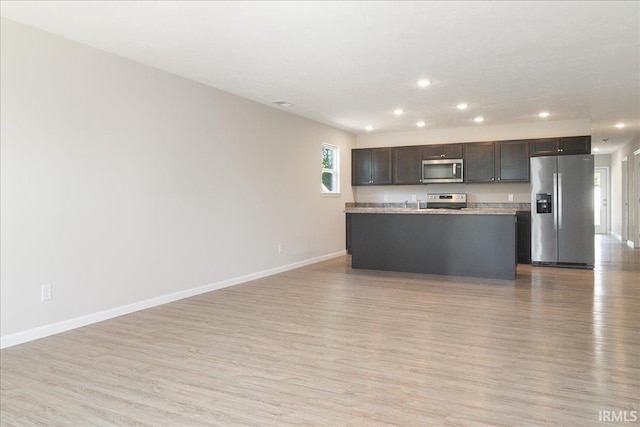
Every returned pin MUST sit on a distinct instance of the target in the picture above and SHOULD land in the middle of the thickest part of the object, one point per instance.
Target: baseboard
(617, 236)
(67, 325)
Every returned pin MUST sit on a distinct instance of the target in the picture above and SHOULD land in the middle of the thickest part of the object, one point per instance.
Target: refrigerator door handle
(559, 205)
(555, 201)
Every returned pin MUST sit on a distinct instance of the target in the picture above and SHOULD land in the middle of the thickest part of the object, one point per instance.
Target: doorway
(600, 198)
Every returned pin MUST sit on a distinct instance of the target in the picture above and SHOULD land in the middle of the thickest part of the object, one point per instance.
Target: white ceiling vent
(283, 103)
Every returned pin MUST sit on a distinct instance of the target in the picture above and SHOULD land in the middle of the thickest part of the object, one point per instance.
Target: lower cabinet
(348, 232)
(523, 219)
(452, 244)
(523, 236)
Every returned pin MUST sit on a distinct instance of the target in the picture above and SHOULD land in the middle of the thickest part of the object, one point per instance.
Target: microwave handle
(454, 169)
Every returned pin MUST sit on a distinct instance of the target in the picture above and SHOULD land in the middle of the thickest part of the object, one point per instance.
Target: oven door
(444, 170)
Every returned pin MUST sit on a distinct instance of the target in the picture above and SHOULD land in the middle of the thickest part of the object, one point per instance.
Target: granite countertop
(472, 209)
(415, 211)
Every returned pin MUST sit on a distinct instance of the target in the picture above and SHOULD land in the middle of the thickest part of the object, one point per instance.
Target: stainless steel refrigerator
(562, 229)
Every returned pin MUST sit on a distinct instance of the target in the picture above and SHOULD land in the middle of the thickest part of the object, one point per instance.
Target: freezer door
(544, 242)
(575, 210)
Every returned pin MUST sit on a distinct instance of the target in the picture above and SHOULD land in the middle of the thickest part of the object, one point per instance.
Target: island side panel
(456, 245)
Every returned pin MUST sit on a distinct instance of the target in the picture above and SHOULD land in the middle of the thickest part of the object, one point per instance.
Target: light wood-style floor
(326, 345)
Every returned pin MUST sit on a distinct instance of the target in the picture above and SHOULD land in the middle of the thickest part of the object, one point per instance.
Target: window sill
(330, 195)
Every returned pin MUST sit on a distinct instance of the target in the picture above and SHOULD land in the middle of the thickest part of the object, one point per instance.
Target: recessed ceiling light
(283, 103)
(462, 106)
(620, 125)
(424, 83)
(369, 128)
(596, 149)
(478, 119)
(543, 114)
(398, 111)
(420, 124)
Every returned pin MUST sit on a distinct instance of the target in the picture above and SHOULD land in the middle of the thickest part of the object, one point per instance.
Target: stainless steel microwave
(442, 170)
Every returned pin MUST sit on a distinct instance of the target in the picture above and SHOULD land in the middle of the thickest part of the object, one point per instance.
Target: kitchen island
(465, 242)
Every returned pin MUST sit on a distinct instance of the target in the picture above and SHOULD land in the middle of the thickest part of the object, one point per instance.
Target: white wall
(616, 190)
(476, 193)
(602, 160)
(122, 183)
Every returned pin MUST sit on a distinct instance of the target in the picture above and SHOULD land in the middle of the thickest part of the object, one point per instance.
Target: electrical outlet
(45, 292)
(510, 197)
(386, 197)
(279, 248)
(414, 197)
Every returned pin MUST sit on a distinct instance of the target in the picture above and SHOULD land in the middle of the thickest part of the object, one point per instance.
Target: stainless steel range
(446, 200)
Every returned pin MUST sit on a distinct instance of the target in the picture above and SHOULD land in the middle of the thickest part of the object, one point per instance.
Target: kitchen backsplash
(476, 193)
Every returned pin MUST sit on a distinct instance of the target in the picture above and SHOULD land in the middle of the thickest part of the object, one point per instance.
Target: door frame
(607, 190)
(636, 203)
(624, 202)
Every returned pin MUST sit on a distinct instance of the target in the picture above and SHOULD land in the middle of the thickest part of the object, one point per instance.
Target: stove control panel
(447, 200)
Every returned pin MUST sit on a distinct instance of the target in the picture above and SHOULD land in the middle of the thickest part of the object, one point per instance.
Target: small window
(330, 167)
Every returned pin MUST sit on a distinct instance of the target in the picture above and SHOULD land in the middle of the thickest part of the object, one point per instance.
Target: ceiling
(350, 64)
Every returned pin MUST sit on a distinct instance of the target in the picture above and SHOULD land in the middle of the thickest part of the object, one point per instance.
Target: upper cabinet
(512, 161)
(479, 162)
(561, 146)
(371, 166)
(502, 161)
(499, 161)
(443, 151)
(407, 165)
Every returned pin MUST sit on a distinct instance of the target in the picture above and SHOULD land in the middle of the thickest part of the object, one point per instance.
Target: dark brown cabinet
(371, 166)
(523, 227)
(360, 167)
(407, 165)
(545, 147)
(479, 162)
(512, 161)
(561, 146)
(576, 145)
(443, 151)
(494, 161)
(502, 161)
